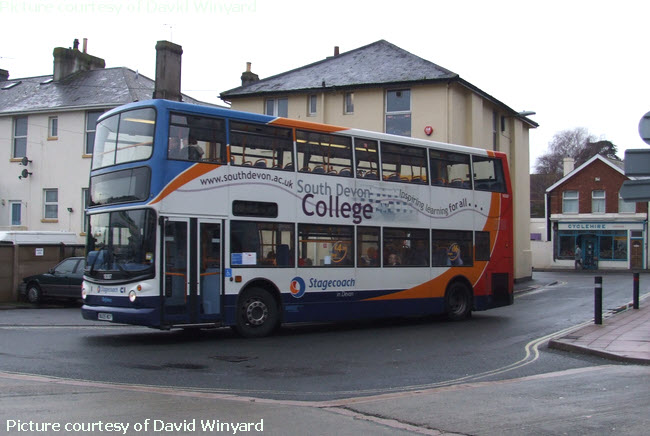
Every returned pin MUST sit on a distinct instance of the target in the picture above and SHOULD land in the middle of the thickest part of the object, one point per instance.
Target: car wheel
(33, 293)
(257, 313)
(458, 301)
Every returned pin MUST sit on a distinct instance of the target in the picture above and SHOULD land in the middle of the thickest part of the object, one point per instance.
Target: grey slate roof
(85, 89)
(378, 63)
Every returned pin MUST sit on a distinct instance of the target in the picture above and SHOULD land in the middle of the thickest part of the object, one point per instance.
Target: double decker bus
(202, 217)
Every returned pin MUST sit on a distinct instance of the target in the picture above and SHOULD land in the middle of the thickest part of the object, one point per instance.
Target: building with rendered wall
(47, 129)
(384, 88)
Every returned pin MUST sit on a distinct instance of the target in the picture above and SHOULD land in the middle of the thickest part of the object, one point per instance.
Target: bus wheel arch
(459, 299)
(258, 311)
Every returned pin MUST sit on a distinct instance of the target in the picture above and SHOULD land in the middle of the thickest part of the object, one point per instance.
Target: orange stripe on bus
(190, 174)
(286, 122)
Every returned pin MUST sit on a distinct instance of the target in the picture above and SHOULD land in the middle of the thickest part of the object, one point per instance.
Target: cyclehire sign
(600, 226)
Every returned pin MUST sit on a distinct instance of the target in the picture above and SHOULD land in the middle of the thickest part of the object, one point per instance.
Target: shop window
(567, 246)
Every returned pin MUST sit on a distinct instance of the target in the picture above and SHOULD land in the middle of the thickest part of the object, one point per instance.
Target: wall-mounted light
(70, 210)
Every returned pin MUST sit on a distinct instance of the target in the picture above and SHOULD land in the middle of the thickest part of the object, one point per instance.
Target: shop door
(590, 252)
(191, 290)
(636, 254)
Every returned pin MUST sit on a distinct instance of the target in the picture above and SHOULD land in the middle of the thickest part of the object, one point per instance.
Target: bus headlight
(132, 296)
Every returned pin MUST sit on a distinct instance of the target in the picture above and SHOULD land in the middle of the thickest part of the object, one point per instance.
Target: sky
(575, 63)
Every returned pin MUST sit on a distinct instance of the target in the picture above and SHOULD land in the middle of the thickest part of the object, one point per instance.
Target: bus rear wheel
(257, 313)
(458, 301)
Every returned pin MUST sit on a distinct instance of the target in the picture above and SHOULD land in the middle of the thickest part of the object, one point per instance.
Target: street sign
(644, 128)
(636, 190)
(637, 163)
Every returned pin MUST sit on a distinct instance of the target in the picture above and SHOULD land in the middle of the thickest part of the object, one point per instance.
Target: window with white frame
(91, 126)
(570, 202)
(348, 103)
(277, 107)
(398, 112)
(312, 105)
(16, 210)
(20, 137)
(598, 201)
(626, 206)
(50, 204)
(84, 207)
(52, 128)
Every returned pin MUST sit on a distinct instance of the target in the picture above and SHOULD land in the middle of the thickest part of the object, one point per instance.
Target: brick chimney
(569, 165)
(336, 50)
(248, 77)
(168, 71)
(4, 75)
(68, 61)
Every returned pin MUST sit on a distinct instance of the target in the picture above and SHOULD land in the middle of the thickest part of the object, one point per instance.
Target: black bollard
(598, 300)
(635, 292)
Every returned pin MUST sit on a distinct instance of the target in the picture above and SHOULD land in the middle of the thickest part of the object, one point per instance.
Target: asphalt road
(315, 362)
(491, 375)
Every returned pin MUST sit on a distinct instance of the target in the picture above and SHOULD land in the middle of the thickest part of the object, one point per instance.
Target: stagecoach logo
(453, 252)
(108, 276)
(297, 287)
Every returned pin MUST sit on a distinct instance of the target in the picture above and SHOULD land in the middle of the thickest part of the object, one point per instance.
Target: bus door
(191, 290)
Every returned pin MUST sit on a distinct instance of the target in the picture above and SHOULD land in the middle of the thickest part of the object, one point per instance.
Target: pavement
(623, 336)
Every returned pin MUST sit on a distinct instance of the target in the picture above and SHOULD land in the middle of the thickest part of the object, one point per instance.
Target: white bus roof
(29, 237)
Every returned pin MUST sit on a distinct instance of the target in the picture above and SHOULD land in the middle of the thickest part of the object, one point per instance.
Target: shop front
(607, 245)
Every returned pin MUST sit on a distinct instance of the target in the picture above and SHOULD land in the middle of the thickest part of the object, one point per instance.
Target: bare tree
(576, 143)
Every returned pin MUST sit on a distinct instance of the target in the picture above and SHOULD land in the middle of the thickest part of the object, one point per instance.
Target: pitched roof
(616, 165)
(378, 63)
(84, 89)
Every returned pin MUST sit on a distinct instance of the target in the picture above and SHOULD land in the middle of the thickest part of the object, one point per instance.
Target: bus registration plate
(105, 316)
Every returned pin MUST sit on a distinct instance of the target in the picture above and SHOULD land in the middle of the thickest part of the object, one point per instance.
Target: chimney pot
(248, 67)
(75, 44)
(85, 45)
(336, 50)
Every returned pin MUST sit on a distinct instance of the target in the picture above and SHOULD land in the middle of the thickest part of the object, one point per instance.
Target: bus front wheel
(458, 301)
(257, 313)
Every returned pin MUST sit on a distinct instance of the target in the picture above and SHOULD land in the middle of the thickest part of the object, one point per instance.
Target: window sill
(52, 138)
(50, 220)
(86, 156)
